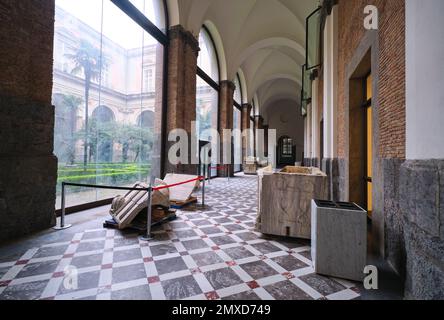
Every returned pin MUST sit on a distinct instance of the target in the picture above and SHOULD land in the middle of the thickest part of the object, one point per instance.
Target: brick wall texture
(182, 68)
(28, 168)
(26, 51)
(391, 70)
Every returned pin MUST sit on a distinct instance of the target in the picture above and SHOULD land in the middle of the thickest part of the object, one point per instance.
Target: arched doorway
(286, 151)
(101, 144)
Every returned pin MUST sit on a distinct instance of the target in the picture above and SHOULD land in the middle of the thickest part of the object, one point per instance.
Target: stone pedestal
(339, 239)
(285, 200)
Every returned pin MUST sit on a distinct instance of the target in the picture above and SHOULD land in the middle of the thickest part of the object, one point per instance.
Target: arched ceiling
(263, 38)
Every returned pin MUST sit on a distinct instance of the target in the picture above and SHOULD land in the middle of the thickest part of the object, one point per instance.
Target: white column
(331, 85)
(316, 142)
(424, 79)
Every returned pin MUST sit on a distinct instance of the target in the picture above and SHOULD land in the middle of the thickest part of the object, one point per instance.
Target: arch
(219, 46)
(103, 151)
(243, 85)
(208, 59)
(238, 90)
(277, 76)
(146, 119)
(256, 104)
(282, 97)
(173, 12)
(269, 43)
(103, 114)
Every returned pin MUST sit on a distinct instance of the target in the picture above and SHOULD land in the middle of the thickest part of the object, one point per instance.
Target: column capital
(229, 84)
(179, 32)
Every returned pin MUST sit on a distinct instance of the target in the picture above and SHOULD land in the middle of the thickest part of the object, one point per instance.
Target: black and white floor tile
(211, 253)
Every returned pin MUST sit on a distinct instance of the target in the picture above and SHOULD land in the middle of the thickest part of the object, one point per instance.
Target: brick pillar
(181, 108)
(246, 110)
(28, 168)
(226, 110)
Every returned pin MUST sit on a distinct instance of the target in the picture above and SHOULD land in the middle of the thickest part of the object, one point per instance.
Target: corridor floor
(210, 253)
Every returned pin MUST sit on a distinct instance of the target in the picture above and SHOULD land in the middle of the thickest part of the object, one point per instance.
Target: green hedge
(114, 174)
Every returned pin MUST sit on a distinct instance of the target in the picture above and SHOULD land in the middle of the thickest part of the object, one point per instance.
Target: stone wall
(422, 203)
(28, 168)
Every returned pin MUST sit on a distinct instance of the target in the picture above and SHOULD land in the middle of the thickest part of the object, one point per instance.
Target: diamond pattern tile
(206, 253)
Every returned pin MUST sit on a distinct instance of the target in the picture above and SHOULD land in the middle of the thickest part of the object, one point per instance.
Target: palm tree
(89, 60)
(72, 103)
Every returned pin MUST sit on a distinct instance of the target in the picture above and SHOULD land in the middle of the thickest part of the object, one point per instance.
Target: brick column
(28, 168)
(246, 110)
(181, 108)
(226, 102)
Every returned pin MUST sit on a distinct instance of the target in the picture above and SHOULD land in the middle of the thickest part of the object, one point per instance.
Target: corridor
(211, 253)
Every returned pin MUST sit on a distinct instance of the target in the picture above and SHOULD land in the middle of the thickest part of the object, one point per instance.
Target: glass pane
(108, 97)
(314, 39)
(154, 10)
(206, 114)
(237, 91)
(207, 59)
(306, 84)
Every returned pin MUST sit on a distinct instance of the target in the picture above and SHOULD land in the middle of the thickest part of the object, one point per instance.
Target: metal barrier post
(227, 168)
(148, 237)
(62, 215)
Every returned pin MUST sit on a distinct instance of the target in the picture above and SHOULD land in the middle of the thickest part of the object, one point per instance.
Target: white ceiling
(263, 38)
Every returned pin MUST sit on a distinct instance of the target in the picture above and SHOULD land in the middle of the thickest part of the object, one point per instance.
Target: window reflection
(108, 96)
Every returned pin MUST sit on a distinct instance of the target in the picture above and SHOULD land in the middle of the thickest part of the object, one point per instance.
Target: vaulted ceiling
(263, 38)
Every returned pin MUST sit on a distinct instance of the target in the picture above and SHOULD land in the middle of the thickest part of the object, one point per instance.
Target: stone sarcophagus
(285, 200)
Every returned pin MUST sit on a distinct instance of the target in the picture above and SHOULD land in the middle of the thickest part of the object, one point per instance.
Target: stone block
(285, 201)
(339, 240)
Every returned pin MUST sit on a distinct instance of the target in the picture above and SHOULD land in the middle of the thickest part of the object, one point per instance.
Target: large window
(207, 97)
(108, 87)
(237, 124)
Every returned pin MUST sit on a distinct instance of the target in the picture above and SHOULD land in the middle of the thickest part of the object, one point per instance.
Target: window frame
(163, 38)
(210, 81)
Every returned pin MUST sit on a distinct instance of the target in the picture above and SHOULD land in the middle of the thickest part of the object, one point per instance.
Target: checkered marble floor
(211, 253)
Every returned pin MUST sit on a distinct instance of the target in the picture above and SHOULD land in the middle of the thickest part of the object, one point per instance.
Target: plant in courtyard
(88, 60)
(66, 121)
(135, 139)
